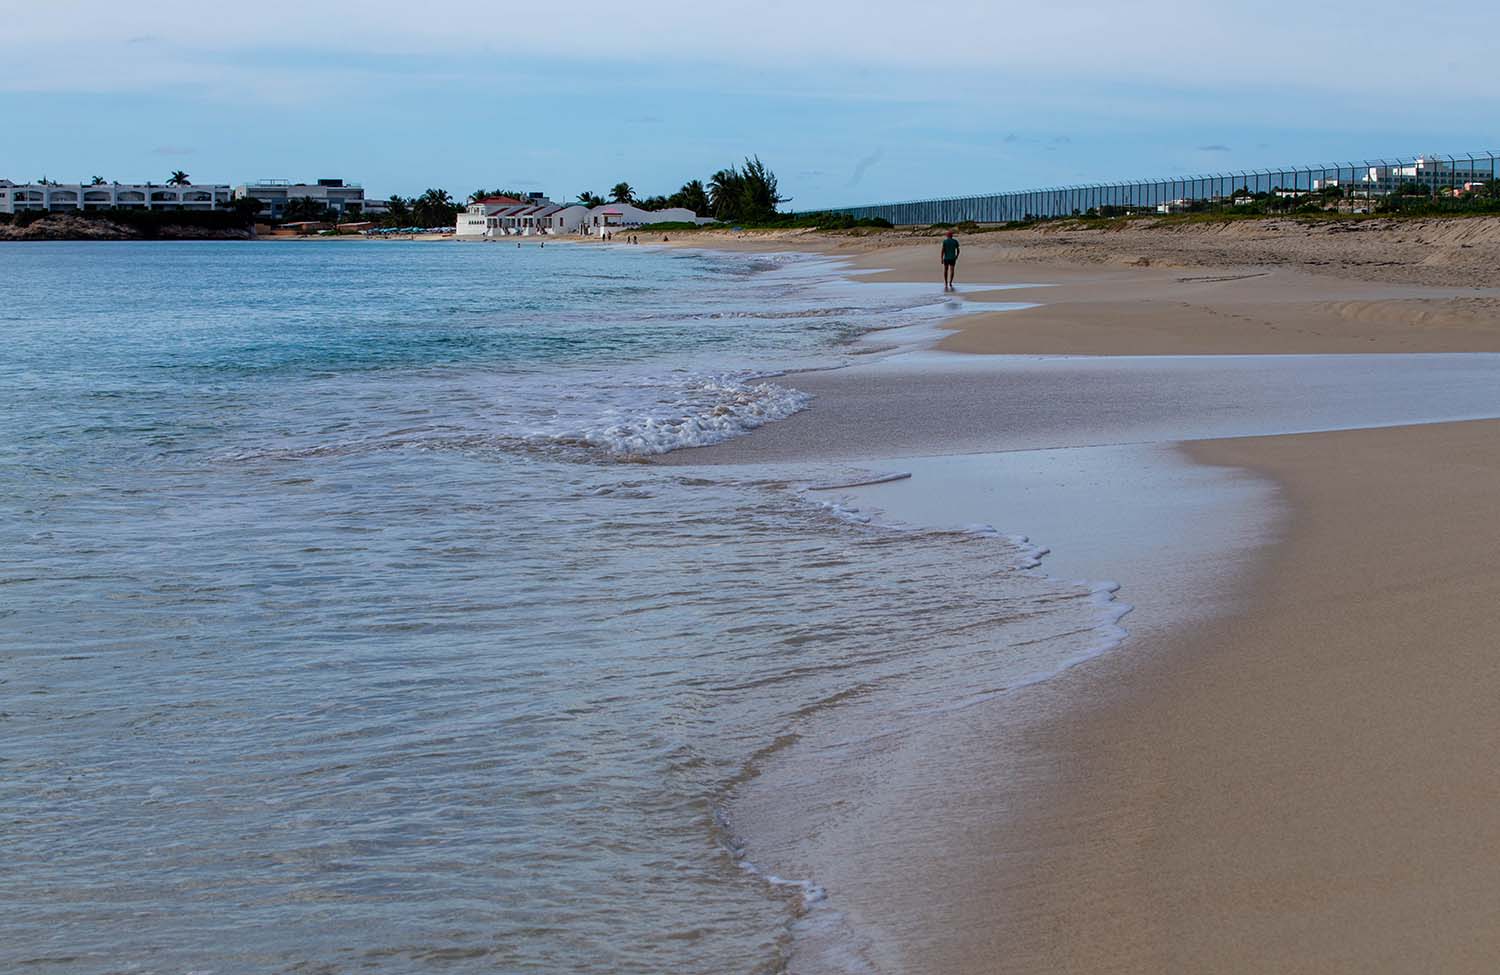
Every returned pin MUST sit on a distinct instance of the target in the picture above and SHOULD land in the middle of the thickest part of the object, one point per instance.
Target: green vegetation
(693, 196)
(1411, 199)
(307, 209)
(1328, 203)
(178, 178)
(434, 208)
(813, 221)
(478, 195)
(744, 195)
(732, 195)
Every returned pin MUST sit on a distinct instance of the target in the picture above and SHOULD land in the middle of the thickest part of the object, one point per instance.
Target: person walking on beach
(950, 260)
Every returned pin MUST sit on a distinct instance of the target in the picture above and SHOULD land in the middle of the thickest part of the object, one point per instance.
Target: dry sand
(1371, 286)
(1310, 784)
(1456, 253)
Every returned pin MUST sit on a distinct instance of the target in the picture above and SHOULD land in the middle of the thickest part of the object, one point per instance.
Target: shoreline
(1184, 805)
(1302, 785)
(1119, 302)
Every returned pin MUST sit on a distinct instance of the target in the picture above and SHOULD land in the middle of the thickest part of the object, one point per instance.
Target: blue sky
(848, 102)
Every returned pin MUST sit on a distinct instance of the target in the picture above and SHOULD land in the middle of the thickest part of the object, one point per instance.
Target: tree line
(747, 193)
(433, 208)
(735, 194)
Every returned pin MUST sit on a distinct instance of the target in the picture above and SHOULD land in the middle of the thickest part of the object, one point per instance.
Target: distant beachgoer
(950, 260)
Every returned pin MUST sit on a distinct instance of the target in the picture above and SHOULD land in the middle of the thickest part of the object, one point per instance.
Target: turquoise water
(344, 630)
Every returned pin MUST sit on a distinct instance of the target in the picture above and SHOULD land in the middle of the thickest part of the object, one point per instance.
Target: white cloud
(1042, 45)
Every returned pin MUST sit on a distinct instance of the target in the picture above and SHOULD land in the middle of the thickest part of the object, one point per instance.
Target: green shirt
(950, 248)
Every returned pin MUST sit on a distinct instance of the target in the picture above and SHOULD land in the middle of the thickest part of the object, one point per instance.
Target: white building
(568, 220)
(484, 217)
(504, 216)
(66, 197)
(344, 198)
(1430, 172)
(477, 220)
(497, 216)
(611, 217)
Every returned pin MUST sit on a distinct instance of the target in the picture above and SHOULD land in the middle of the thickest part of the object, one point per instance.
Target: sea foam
(686, 413)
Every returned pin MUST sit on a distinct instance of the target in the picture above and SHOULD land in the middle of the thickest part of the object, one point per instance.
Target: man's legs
(948, 267)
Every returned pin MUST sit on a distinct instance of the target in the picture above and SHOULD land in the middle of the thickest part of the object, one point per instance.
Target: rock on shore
(67, 226)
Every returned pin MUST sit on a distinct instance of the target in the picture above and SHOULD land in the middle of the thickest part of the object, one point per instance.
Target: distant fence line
(1368, 179)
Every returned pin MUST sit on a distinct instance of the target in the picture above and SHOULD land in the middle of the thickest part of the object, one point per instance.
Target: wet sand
(1301, 781)
(1307, 785)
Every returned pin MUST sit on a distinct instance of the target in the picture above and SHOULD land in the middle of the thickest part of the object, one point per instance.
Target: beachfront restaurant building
(479, 219)
(73, 197)
(502, 216)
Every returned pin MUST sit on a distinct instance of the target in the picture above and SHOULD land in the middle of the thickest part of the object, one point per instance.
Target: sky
(848, 101)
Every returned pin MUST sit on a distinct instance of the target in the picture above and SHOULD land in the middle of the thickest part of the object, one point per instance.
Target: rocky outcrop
(72, 226)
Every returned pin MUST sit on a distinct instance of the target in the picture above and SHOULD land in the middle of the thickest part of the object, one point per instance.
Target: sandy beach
(1299, 777)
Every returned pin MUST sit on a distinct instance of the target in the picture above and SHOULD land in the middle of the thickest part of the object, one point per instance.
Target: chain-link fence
(1354, 185)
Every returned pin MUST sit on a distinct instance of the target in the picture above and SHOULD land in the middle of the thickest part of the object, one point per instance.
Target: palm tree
(693, 195)
(97, 181)
(179, 178)
(622, 193)
(590, 199)
(725, 189)
(433, 208)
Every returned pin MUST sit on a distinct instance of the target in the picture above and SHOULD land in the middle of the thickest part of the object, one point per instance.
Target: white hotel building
(503, 216)
(69, 197)
(1430, 172)
(344, 198)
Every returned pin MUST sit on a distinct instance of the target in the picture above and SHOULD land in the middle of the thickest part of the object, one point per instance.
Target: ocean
(346, 625)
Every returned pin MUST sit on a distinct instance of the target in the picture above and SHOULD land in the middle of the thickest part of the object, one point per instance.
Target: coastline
(1296, 781)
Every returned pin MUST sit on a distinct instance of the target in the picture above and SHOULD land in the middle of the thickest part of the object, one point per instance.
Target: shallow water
(341, 631)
